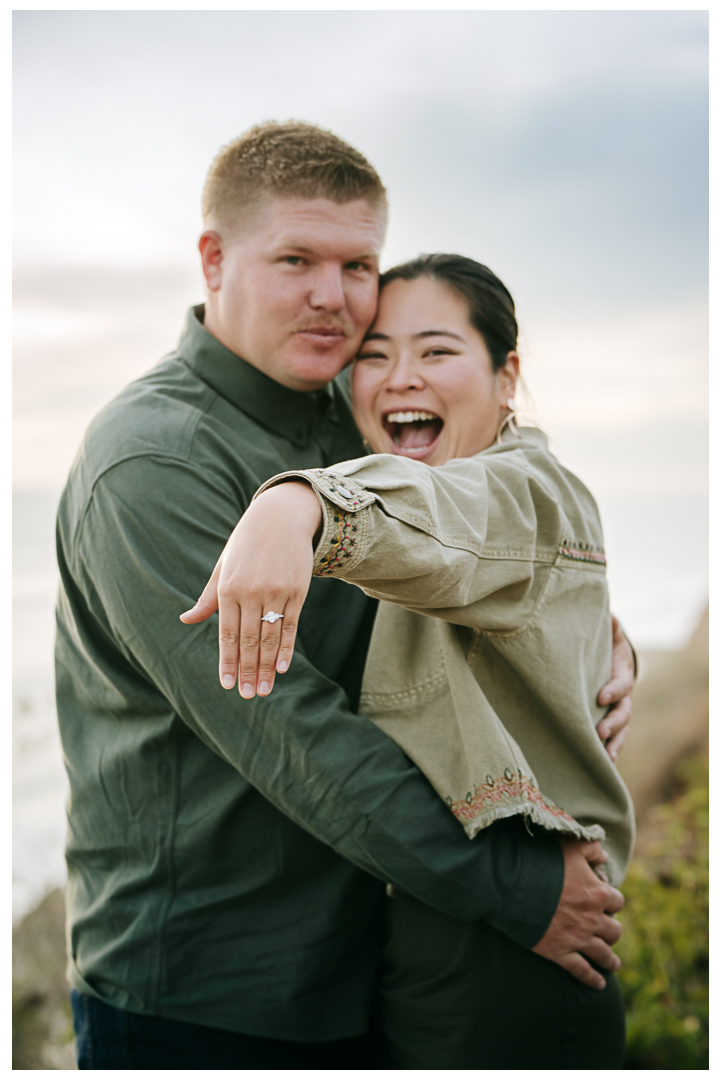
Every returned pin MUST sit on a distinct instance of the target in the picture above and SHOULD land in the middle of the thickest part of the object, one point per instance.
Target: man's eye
(293, 260)
(356, 266)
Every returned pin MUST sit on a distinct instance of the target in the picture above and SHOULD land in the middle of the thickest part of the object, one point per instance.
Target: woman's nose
(405, 375)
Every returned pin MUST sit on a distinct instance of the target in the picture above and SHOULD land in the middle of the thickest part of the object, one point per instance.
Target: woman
(485, 660)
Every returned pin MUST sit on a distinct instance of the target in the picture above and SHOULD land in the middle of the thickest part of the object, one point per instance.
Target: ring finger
(270, 634)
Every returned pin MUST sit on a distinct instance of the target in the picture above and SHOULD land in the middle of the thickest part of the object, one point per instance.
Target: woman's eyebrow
(439, 333)
(375, 335)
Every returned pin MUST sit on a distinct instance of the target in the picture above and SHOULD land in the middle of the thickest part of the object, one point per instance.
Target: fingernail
(264, 688)
(247, 690)
(228, 681)
(282, 666)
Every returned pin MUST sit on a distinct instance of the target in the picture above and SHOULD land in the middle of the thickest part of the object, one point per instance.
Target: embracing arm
(138, 560)
(266, 566)
(617, 694)
(401, 532)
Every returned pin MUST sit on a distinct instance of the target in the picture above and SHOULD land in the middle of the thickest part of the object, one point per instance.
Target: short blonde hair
(288, 160)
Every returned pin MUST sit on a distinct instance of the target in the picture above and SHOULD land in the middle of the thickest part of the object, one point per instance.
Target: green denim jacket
(494, 695)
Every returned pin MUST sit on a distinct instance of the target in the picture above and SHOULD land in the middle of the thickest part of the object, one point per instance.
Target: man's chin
(312, 369)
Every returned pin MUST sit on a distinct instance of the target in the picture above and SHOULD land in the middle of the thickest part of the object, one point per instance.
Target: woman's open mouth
(413, 432)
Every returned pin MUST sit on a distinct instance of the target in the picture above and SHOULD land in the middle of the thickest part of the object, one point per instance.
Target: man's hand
(617, 693)
(582, 925)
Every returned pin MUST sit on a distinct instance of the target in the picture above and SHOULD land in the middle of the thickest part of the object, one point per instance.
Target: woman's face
(423, 384)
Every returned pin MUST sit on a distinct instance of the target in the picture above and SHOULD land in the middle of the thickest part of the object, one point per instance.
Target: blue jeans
(109, 1038)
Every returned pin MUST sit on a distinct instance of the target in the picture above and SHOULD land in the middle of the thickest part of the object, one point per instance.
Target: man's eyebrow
(369, 256)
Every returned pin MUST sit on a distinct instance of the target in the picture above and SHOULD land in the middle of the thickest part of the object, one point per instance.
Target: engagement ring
(272, 616)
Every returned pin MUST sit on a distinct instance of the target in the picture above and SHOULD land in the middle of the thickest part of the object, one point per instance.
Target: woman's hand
(617, 694)
(266, 566)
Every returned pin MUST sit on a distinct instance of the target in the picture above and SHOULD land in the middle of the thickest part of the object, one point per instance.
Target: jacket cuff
(530, 910)
(344, 503)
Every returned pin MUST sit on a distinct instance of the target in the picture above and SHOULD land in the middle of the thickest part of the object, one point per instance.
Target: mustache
(326, 324)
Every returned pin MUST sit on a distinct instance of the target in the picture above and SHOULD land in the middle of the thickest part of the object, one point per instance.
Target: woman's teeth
(409, 417)
(414, 430)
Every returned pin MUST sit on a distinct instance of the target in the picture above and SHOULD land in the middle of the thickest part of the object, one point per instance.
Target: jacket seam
(164, 917)
(157, 453)
(505, 634)
(400, 695)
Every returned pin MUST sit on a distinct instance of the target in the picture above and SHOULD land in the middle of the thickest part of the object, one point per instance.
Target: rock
(670, 719)
(42, 1021)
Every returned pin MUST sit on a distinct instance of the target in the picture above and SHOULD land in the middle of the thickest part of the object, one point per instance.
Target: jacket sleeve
(469, 542)
(331, 771)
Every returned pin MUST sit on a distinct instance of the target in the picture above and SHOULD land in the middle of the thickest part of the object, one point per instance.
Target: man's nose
(327, 289)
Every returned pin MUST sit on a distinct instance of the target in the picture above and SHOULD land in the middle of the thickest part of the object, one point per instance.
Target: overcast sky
(567, 150)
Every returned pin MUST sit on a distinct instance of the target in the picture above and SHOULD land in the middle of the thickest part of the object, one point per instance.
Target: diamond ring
(271, 617)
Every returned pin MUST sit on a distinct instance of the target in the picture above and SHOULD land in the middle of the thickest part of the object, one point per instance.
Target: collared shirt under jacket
(227, 858)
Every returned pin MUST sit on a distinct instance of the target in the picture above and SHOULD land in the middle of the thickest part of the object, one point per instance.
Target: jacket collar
(289, 413)
(526, 435)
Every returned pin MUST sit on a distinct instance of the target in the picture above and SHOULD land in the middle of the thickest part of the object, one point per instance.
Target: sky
(565, 149)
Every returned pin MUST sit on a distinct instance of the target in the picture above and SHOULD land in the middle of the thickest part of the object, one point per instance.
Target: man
(227, 857)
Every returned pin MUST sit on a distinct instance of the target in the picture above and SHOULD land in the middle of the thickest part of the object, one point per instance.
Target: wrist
(295, 501)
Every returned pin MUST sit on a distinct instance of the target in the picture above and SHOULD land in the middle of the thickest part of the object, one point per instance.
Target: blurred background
(565, 149)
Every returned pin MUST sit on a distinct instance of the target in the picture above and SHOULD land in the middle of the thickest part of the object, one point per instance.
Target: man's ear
(211, 253)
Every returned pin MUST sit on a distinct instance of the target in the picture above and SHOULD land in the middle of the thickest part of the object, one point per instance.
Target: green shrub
(664, 947)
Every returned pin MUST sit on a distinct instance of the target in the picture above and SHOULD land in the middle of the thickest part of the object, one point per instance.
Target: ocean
(39, 781)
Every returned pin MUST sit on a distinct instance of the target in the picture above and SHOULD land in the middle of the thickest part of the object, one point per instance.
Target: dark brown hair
(293, 159)
(491, 307)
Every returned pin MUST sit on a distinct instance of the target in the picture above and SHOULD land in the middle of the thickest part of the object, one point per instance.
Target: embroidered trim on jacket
(338, 486)
(341, 544)
(577, 551)
(511, 785)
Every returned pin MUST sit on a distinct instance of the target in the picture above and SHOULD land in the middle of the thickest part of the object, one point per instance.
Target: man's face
(295, 294)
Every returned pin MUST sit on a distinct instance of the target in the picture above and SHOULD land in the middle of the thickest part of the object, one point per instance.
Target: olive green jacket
(495, 696)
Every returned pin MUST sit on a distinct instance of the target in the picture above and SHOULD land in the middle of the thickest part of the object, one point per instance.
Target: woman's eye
(372, 356)
(438, 352)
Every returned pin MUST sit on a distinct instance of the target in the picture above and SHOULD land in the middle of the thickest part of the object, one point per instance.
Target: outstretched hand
(617, 693)
(265, 568)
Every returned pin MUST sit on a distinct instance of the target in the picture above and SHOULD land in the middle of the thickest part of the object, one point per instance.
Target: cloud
(573, 142)
(566, 149)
